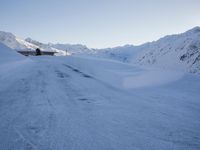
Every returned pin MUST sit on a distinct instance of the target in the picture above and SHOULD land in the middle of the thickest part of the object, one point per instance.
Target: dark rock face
(192, 56)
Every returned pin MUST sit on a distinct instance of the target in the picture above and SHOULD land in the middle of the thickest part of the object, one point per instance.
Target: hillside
(17, 43)
(179, 52)
(74, 49)
(14, 42)
(8, 55)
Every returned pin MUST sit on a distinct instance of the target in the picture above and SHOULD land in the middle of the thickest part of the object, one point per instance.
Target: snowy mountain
(77, 49)
(81, 102)
(180, 51)
(46, 47)
(17, 43)
(120, 53)
(71, 49)
(14, 42)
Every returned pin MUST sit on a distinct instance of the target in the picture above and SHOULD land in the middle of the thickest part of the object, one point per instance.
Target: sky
(98, 23)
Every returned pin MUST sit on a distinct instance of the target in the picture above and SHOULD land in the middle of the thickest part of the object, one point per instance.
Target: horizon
(98, 24)
(104, 47)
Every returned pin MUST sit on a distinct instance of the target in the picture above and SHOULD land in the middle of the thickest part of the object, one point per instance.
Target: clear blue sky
(98, 23)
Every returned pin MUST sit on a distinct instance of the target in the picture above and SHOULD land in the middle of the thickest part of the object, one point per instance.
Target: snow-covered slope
(8, 55)
(76, 49)
(17, 43)
(120, 53)
(181, 51)
(74, 103)
(10, 61)
(14, 42)
(70, 49)
(46, 47)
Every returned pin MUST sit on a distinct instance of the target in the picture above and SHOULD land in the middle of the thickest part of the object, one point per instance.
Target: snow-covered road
(52, 103)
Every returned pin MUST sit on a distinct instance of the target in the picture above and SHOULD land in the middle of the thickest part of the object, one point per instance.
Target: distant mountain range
(179, 51)
(28, 44)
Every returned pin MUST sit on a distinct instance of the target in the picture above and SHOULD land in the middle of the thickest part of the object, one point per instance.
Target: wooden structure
(33, 53)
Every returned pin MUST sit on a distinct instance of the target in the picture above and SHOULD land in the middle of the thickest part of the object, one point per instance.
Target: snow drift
(8, 55)
(122, 75)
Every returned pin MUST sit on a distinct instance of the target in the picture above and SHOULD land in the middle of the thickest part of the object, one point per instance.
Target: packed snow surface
(80, 103)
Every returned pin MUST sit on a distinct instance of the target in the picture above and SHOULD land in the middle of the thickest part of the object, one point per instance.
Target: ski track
(56, 106)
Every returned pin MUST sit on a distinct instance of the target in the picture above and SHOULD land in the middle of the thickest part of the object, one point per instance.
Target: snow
(8, 55)
(124, 75)
(14, 42)
(167, 52)
(73, 49)
(47, 47)
(177, 52)
(93, 100)
(150, 78)
(17, 44)
(81, 103)
(121, 53)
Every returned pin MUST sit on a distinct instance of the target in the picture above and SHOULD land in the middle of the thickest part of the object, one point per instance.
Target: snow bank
(99, 68)
(149, 78)
(123, 75)
(8, 55)
(11, 62)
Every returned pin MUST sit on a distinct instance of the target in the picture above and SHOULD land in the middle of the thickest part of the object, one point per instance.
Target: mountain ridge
(176, 51)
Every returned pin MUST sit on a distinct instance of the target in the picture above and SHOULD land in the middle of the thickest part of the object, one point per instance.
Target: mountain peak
(6, 35)
(194, 30)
